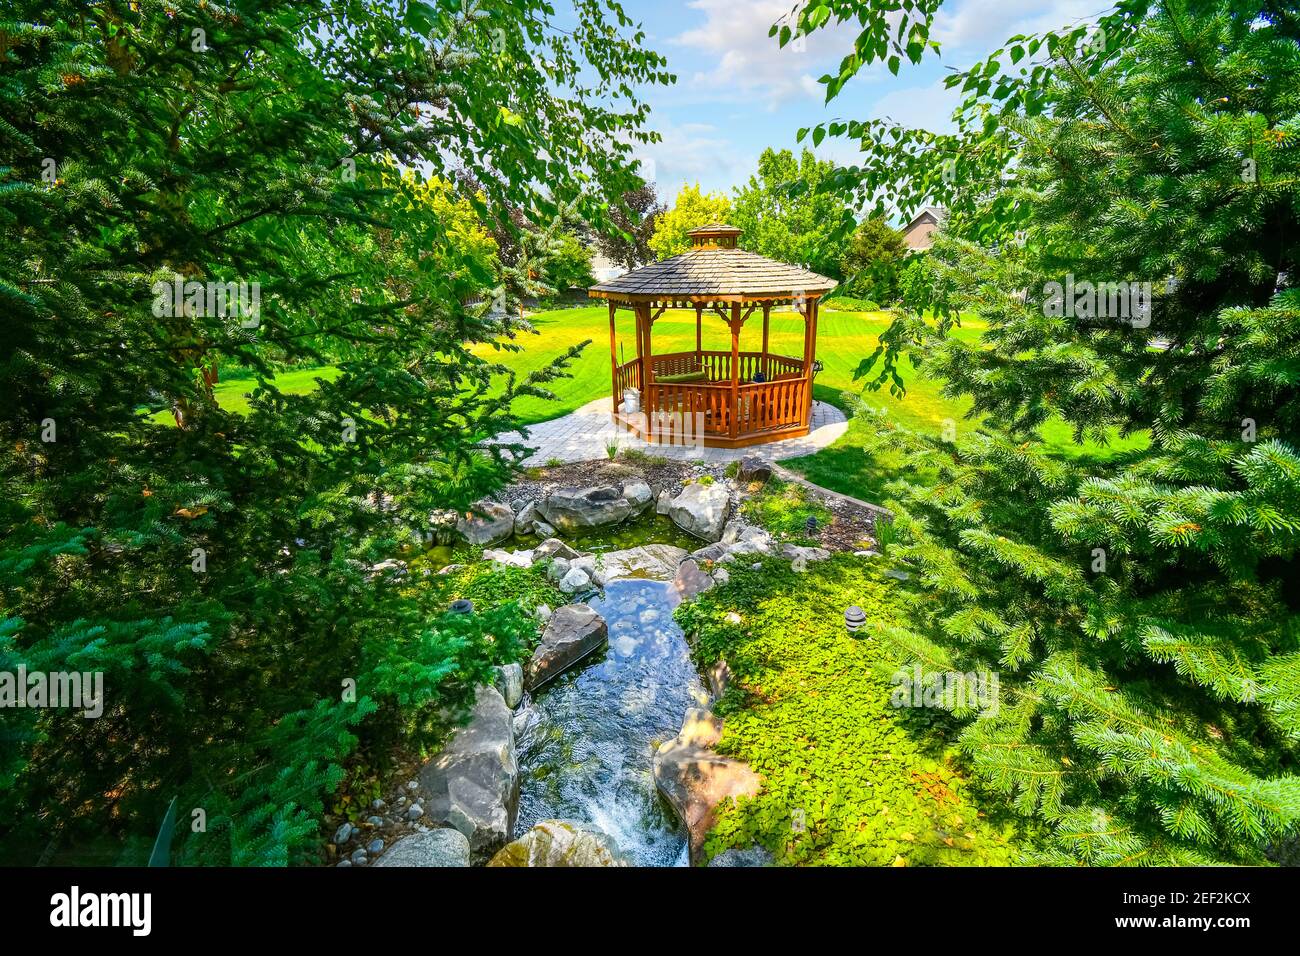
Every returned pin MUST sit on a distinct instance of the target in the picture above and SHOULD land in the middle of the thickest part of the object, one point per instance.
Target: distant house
(605, 268)
(919, 233)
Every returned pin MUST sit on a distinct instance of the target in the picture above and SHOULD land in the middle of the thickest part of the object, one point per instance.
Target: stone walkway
(586, 434)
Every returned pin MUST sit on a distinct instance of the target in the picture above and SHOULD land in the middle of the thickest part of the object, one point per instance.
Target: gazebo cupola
(720, 398)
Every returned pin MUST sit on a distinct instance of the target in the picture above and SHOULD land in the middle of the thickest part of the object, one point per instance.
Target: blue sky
(737, 93)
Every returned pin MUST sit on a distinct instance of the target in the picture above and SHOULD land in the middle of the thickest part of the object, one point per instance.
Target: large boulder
(657, 562)
(572, 633)
(561, 843)
(694, 779)
(441, 847)
(473, 785)
(487, 522)
(593, 506)
(701, 509)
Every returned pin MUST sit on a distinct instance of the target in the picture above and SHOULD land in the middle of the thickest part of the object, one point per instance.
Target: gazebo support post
(735, 369)
(699, 333)
(809, 354)
(767, 365)
(613, 355)
(649, 398)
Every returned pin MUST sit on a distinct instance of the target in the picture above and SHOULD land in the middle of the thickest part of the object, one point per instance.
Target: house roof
(714, 270)
(937, 213)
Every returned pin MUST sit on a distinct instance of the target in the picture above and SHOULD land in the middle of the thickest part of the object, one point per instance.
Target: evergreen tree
(873, 260)
(214, 566)
(1140, 606)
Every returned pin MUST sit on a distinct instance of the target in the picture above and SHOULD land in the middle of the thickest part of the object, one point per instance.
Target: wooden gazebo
(722, 399)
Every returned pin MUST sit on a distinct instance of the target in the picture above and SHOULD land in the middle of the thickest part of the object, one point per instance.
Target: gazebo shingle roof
(715, 272)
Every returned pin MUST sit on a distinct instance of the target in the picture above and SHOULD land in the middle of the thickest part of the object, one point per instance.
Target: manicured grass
(233, 396)
(844, 339)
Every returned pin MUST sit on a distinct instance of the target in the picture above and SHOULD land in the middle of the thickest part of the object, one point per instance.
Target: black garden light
(810, 526)
(854, 618)
(462, 606)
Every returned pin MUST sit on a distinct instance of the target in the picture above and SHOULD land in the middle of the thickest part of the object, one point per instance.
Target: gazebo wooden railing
(729, 398)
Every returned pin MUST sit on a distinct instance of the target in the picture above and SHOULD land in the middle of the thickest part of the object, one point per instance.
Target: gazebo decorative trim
(730, 398)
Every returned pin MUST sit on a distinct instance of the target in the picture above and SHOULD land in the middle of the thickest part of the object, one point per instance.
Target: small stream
(587, 742)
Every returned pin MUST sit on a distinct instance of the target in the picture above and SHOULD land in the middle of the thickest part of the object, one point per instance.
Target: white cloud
(978, 27)
(748, 63)
(691, 153)
(920, 107)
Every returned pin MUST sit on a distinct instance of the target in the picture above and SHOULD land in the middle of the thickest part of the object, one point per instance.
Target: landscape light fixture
(854, 618)
(462, 606)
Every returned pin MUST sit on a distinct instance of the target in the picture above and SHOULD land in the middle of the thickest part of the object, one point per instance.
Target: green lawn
(233, 396)
(844, 339)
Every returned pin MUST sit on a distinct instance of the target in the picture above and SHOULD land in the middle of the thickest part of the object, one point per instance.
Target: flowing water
(586, 751)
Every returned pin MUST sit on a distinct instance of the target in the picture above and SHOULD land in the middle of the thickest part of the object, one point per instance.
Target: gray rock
(593, 506)
(343, 863)
(694, 779)
(526, 518)
(375, 821)
(664, 500)
(553, 548)
(573, 632)
(392, 567)
(557, 569)
(575, 580)
(487, 523)
(414, 812)
(701, 509)
(375, 847)
(561, 843)
(514, 559)
(690, 581)
(542, 529)
(343, 834)
(511, 683)
(713, 553)
(794, 552)
(473, 785)
(441, 847)
(542, 612)
(656, 562)
(741, 537)
(358, 857)
(377, 804)
(754, 468)
(638, 493)
(721, 576)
